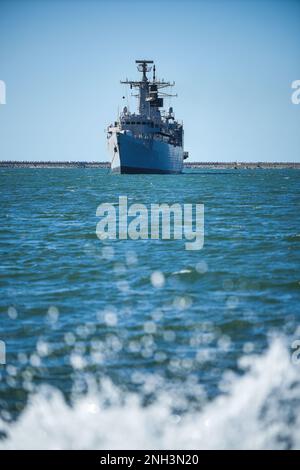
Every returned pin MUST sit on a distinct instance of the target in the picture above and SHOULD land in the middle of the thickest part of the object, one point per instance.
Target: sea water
(141, 343)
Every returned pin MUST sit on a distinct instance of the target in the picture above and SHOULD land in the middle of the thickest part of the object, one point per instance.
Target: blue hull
(139, 155)
(134, 171)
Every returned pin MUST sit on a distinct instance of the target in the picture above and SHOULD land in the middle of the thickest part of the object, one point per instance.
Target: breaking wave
(259, 409)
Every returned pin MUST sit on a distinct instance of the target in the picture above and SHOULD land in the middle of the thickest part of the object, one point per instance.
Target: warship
(151, 140)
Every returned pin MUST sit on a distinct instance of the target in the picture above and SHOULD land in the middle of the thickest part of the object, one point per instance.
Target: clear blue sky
(233, 63)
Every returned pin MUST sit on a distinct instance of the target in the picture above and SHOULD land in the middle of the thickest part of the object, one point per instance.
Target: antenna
(154, 70)
(142, 61)
(144, 67)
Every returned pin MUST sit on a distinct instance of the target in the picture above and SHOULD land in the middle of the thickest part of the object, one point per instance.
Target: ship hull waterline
(132, 155)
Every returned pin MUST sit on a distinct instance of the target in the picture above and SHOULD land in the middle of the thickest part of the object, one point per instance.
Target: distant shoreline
(208, 165)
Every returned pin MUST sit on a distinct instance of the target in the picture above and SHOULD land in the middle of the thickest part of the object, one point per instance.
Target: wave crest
(260, 409)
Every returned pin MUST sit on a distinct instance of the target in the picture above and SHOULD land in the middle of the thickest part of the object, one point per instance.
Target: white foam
(259, 411)
(182, 271)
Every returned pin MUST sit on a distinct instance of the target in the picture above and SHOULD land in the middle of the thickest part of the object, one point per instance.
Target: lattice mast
(149, 95)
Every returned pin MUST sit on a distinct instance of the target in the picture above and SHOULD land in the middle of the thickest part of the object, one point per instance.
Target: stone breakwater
(207, 165)
(36, 164)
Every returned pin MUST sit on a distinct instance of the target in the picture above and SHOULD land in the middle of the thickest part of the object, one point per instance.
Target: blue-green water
(75, 310)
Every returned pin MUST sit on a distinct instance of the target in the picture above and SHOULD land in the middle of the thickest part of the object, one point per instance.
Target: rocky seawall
(187, 165)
